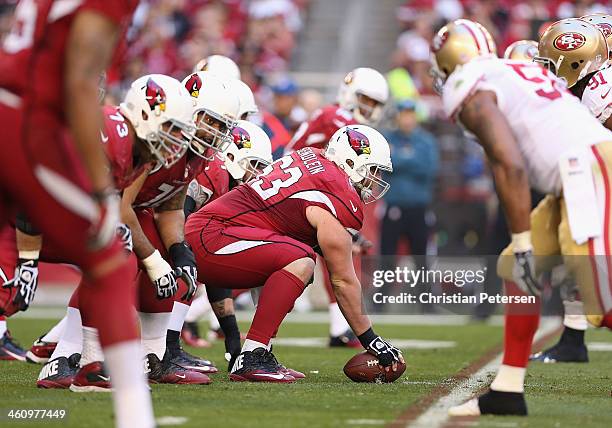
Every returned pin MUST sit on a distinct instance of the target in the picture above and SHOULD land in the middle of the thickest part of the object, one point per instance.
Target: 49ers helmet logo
(241, 138)
(358, 142)
(193, 85)
(155, 96)
(569, 41)
(605, 28)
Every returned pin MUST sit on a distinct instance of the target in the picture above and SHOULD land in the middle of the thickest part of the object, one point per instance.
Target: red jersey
(162, 184)
(214, 180)
(277, 199)
(32, 55)
(119, 147)
(319, 129)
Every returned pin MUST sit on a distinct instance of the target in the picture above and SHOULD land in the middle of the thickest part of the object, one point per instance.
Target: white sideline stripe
(321, 342)
(171, 420)
(238, 246)
(437, 414)
(600, 346)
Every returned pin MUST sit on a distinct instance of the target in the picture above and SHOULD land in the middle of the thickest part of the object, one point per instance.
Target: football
(364, 367)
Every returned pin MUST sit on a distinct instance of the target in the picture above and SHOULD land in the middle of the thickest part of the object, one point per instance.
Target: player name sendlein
(407, 298)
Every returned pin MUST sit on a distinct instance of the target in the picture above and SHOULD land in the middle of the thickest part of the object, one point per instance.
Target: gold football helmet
(571, 49)
(604, 23)
(522, 50)
(457, 43)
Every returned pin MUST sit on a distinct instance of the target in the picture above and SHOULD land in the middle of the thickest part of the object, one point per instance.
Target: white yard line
(437, 414)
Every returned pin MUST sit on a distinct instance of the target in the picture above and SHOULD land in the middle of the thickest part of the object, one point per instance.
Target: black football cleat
(10, 349)
(286, 370)
(184, 359)
(569, 349)
(345, 340)
(258, 365)
(59, 373)
(165, 371)
(493, 403)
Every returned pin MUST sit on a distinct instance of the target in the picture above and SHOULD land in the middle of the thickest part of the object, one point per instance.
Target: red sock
(107, 303)
(607, 321)
(276, 299)
(521, 323)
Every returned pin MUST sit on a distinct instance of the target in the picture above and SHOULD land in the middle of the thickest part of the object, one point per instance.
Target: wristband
(29, 255)
(155, 265)
(521, 242)
(367, 337)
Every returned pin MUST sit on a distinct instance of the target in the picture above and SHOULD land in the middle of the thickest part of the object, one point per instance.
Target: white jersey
(546, 119)
(598, 95)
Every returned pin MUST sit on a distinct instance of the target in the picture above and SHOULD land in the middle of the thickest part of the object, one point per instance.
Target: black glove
(386, 353)
(26, 281)
(523, 273)
(184, 261)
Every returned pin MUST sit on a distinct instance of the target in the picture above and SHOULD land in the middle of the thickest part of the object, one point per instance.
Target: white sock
(337, 322)
(574, 315)
(509, 379)
(177, 317)
(71, 341)
(153, 331)
(200, 306)
(131, 397)
(251, 345)
(213, 321)
(92, 351)
(3, 327)
(55, 334)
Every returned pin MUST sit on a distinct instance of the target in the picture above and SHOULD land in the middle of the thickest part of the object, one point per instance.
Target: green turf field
(559, 395)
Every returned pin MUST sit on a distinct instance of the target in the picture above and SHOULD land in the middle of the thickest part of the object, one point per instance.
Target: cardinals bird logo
(193, 85)
(241, 138)
(358, 142)
(155, 96)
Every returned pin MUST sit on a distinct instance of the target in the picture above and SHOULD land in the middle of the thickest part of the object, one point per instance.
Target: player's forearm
(142, 246)
(90, 46)
(513, 191)
(348, 294)
(171, 226)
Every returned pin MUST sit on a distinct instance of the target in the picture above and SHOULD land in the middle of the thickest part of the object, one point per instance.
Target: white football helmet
(247, 99)
(363, 153)
(249, 153)
(220, 65)
(216, 109)
(161, 112)
(364, 82)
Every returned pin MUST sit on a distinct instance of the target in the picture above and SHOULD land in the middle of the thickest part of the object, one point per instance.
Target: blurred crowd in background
(442, 198)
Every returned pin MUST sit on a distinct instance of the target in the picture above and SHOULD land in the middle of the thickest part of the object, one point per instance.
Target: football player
(50, 65)
(248, 154)
(266, 229)
(220, 65)
(159, 208)
(522, 50)
(510, 106)
(591, 84)
(135, 144)
(360, 100)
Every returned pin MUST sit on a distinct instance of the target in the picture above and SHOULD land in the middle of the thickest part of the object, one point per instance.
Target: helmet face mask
(364, 93)
(252, 166)
(372, 187)
(213, 133)
(170, 143)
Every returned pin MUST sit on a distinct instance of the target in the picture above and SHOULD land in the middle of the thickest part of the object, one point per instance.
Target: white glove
(523, 271)
(161, 274)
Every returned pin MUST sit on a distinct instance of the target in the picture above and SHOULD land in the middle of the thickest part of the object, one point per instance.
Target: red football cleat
(40, 352)
(91, 378)
(166, 372)
(345, 340)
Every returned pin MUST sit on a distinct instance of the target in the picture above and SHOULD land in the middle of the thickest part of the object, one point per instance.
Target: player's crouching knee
(302, 268)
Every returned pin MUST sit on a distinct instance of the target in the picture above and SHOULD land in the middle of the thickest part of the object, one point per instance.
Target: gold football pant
(590, 263)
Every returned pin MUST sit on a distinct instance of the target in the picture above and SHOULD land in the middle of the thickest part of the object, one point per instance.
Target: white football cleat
(469, 408)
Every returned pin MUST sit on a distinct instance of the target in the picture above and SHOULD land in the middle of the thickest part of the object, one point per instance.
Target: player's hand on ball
(388, 355)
